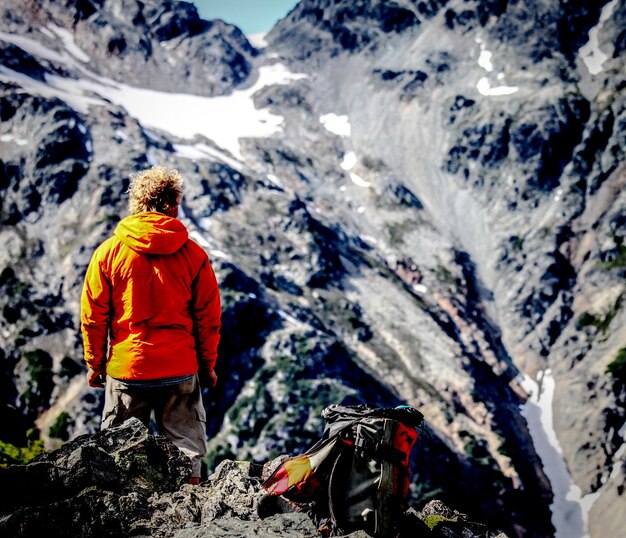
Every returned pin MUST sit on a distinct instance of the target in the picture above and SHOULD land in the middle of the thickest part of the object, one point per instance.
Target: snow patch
(348, 163)
(558, 195)
(420, 288)
(33, 47)
(483, 85)
(339, 125)
(569, 513)
(349, 160)
(224, 119)
(358, 180)
(189, 152)
(218, 254)
(485, 89)
(274, 180)
(289, 318)
(203, 151)
(484, 60)
(258, 40)
(68, 42)
(151, 157)
(11, 138)
(47, 32)
(198, 238)
(72, 96)
(590, 52)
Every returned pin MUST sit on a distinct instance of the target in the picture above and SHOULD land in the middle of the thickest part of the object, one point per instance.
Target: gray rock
(94, 485)
(447, 522)
(284, 525)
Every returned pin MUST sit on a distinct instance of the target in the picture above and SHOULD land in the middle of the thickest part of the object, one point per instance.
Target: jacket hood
(152, 233)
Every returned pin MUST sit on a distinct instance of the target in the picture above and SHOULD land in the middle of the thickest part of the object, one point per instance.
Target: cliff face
(414, 202)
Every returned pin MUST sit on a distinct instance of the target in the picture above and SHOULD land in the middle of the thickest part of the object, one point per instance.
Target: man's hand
(208, 379)
(212, 379)
(95, 379)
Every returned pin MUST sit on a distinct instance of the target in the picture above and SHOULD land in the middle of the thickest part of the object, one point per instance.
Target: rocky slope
(405, 202)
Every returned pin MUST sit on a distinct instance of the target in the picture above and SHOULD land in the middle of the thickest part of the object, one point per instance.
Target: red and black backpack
(357, 475)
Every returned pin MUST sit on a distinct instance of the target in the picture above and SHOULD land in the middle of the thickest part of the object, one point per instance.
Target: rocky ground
(126, 482)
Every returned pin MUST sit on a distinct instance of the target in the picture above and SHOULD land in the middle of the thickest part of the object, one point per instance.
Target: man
(150, 317)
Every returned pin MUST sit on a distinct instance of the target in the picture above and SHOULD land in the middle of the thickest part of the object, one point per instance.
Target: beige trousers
(178, 412)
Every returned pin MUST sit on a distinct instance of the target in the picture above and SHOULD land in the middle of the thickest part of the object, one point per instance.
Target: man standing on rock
(150, 317)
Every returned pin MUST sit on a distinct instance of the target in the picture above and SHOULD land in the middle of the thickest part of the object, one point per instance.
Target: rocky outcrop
(125, 482)
(336, 27)
(146, 44)
(93, 486)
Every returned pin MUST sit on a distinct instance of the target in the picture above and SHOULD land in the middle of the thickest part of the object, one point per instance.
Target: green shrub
(602, 321)
(517, 243)
(40, 384)
(17, 455)
(433, 521)
(60, 428)
(617, 368)
(69, 368)
(619, 260)
(445, 276)
(586, 320)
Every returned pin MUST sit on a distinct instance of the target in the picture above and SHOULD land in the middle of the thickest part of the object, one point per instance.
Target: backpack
(357, 475)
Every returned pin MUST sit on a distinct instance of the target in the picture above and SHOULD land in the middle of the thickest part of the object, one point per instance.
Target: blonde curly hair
(156, 189)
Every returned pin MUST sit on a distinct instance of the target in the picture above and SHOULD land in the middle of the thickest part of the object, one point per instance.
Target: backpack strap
(380, 450)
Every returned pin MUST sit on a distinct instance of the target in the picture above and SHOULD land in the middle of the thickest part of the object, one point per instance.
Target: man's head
(156, 189)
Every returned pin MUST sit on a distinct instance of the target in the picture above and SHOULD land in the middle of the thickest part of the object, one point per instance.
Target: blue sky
(251, 16)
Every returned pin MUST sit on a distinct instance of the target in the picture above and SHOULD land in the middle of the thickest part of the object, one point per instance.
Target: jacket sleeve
(95, 306)
(207, 313)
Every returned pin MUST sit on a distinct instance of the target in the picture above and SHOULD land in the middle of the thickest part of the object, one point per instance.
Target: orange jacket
(150, 307)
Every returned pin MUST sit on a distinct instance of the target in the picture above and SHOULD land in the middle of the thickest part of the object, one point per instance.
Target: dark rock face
(566, 23)
(347, 26)
(93, 486)
(220, 189)
(541, 145)
(16, 59)
(29, 179)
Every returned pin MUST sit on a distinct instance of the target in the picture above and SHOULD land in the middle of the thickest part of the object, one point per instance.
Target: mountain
(412, 202)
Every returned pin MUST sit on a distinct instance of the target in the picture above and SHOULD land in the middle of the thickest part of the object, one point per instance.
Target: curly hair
(156, 189)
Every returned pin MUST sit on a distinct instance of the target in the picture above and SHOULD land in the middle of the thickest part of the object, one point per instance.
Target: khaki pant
(178, 411)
